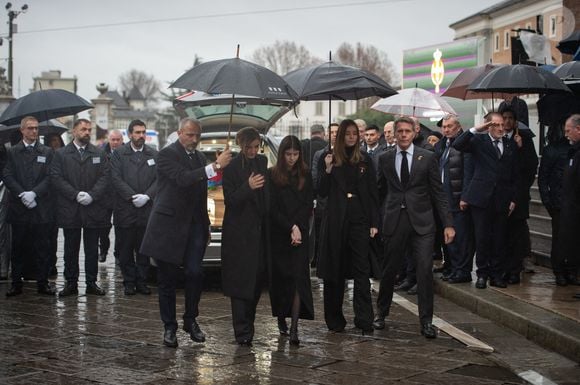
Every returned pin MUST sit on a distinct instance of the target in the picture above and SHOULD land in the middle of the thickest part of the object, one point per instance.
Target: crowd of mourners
(371, 203)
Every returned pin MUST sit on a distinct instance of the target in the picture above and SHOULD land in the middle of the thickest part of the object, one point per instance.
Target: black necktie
(30, 148)
(404, 168)
(138, 156)
(82, 152)
(496, 144)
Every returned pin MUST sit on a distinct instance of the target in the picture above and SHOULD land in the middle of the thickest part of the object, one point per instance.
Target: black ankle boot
(294, 336)
(282, 326)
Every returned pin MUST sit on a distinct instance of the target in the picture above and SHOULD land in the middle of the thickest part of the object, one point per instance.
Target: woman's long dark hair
(280, 171)
(339, 151)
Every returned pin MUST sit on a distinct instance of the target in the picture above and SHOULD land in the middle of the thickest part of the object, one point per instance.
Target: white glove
(84, 198)
(27, 197)
(31, 205)
(140, 200)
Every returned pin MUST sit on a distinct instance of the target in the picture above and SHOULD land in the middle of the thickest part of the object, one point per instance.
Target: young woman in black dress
(291, 201)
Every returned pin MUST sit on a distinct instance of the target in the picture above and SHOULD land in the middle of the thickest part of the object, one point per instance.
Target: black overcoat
(290, 264)
(334, 261)
(70, 175)
(29, 171)
(133, 173)
(181, 199)
(245, 234)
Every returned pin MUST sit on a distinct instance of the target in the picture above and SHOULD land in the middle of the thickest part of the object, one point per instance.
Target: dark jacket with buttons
(29, 171)
(554, 162)
(456, 165)
(181, 200)
(133, 173)
(69, 175)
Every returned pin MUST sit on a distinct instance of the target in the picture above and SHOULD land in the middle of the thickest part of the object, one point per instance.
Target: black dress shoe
(246, 343)
(413, 290)
(170, 339)
(498, 282)
(428, 331)
(130, 290)
(294, 337)
(379, 323)
(282, 326)
(195, 332)
(513, 279)
(404, 286)
(481, 283)
(69, 289)
(459, 278)
(14, 290)
(447, 275)
(93, 288)
(561, 280)
(143, 289)
(46, 289)
(103, 257)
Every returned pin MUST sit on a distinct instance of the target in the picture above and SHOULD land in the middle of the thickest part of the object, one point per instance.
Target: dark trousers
(518, 238)
(104, 241)
(244, 313)
(557, 257)
(569, 256)
(420, 247)
(490, 241)
(168, 274)
(72, 245)
(134, 265)
(357, 234)
(458, 251)
(33, 239)
(52, 244)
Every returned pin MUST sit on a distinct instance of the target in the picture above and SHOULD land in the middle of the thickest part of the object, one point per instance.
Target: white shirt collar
(409, 150)
(494, 139)
(137, 149)
(79, 147)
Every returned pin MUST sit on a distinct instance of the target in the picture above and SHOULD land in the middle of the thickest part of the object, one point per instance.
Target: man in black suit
(491, 194)
(454, 166)
(314, 144)
(518, 232)
(30, 207)
(410, 184)
(81, 177)
(134, 180)
(178, 229)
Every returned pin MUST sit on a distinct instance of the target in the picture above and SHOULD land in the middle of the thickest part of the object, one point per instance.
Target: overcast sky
(58, 34)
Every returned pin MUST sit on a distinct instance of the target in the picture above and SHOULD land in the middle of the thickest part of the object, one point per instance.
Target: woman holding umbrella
(348, 179)
(291, 202)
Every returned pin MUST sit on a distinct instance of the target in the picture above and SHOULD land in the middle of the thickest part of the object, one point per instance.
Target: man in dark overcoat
(80, 175)
(30, 206)
(245, 237)
(410, 187)
(491, 194)
(178, 228)
(134, 179)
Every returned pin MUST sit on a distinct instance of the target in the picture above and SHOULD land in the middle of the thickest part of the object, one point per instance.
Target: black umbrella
(555, 109)
(334, 81)
(236, 77)
(570, 44)
(44, 105)
(45, 128)
(519, 79)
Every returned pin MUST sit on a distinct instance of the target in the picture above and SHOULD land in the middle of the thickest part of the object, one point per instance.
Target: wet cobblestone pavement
(117, 339)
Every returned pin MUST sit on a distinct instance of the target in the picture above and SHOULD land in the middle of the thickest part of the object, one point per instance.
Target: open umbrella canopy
(237, 77)
(458, 87)
(334, 81)
(44, 105)
(570, 44)
(570, 70)
(414, 102)
(519, 79)
(555, 109)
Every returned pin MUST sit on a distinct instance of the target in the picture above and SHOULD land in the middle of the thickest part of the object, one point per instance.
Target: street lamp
(12, 29)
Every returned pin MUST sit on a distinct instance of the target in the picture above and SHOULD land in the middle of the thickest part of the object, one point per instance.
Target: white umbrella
(414, 102)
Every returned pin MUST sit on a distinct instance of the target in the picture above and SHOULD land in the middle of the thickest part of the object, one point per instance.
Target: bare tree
(283, 57)
(148, 85)
(368, 58)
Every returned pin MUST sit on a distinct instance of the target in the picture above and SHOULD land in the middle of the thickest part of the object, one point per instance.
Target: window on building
(506, 39)
(318, 108)
(496, 42)
(552, 32)
(540, 24)
(341, 108)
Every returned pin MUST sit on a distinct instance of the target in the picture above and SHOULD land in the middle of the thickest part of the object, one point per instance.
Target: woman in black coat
(245, 233)
(348, 179)
(291, 201)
